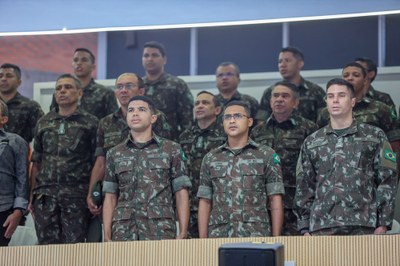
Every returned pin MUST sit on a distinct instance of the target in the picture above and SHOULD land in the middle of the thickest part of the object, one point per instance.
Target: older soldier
(14, 190)
(198, 140)
(96, 99)
(170, 94)
(228, 79)
(285, 131)
(290, 63)
(63, 156)
(346, 173)
(23, 113)
(237, 180)
(143, 173)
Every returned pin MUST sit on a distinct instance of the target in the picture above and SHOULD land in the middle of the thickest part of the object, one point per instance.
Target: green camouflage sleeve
(110, 184)
(205, 188)
(323, 118)
(264, 110)
(273, 175)
(185, 105)
(179, 177)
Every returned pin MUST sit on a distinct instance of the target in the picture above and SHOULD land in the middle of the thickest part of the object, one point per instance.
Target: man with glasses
(170, 94)
(144, 174)
(228, 80)
(206, 134)
(239, 182)
(113, 129)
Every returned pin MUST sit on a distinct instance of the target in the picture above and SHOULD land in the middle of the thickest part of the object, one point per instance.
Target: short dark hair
(139, 79)
(16, 68)
(228, 63)
(216, 101)
(295, 51)
(3, 108)
(343, 82)
(371, 65)
(355, 64)
(288, 84)
(92, 57)
(78, 83)
(156, 45)
(146, 99)
(244, 104)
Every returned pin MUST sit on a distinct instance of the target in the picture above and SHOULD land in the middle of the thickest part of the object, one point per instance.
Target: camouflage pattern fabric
(251, 101)
(96, 100)
(196, 143)
(381, 97)
(64, 146)
(286, 139)
(23, 114)
(344, 231)
(238, 182)
(172, 96)
(145, 177)
(312, 100)
(113, 129)
(346, 180)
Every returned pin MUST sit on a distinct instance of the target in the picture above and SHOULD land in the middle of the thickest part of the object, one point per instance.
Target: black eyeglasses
(236, 116)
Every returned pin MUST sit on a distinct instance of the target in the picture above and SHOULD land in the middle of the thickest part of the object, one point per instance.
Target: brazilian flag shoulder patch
(184, 158)
(277, 160)
(388, 157)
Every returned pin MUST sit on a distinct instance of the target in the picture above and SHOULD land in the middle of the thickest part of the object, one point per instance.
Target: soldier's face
(9, 82)
(227, 79)
(237, 127)
(66, 92)
(204, 107)
(282, 100)
(82, 64)
(139, 116)
(355, 76)
(153, 61)
(338, 101)
(126, 87)
(288, 65)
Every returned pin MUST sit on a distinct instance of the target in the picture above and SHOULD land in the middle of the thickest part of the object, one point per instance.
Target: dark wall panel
(332, 43)
(253, 48)
(393, 40)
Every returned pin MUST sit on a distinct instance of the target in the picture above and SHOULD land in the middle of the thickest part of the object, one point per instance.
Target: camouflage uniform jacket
(64, 146)
(347, 180)
(96, 100)
(172, 96)
(113, 129)
(368, 111)
(239, 182)
(145, 178)
(14, 189)
(23, 114)
(312, 100)
(381, 97)
(196, 143)
(285, 139)
(251, 101)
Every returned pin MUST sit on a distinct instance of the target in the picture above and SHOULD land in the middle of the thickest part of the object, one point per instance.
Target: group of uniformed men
(239, 170)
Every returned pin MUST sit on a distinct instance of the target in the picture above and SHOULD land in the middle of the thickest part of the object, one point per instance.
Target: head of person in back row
(227, 81)
(170, 94)
(290, 63)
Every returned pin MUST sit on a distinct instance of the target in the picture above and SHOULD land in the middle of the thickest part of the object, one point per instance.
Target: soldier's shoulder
(174, 79)
(370, 130)
(249, 98)
(313, 86)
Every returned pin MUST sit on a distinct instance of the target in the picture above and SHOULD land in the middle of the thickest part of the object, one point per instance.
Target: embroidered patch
(277, 160)
(184, 158)
(390, 155)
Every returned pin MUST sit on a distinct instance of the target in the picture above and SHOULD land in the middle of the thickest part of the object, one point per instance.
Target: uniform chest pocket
(112, 139)
(218, 174)
(253, 176)
(78, 141)
(159, 169)
(124, 170)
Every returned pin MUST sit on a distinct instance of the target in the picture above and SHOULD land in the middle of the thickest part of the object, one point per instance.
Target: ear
(250, 122)
(165, 60)
(3, 120)
(218, 110)
(296, 103)
(80, 92)
(300, 64)
(153, 119)
(353, 101)
(141, 91)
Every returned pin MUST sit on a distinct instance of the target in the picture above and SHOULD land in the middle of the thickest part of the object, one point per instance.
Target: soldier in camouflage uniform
(239, 181)
(23, 112)
(284, 131)
(170, 94)
(206, 134)
(346, 173)
(372, 71)
(290, 63)
(143, 173)
(228, 79)
(64, 146)
(96, 99)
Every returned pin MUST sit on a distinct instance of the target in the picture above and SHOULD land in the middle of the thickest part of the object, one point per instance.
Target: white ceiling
(52, 16)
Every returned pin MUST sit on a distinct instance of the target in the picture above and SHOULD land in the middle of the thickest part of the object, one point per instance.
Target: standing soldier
(346, 173)
(206, 134)
(143, 174)
(63, 156)
(170, 94)
(238, 181)
(284, 131)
